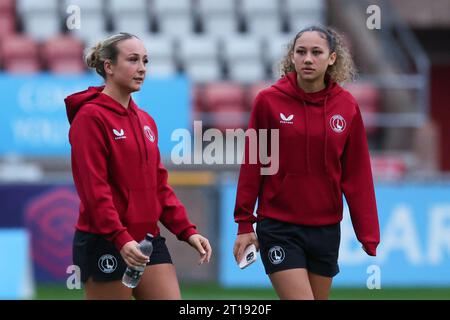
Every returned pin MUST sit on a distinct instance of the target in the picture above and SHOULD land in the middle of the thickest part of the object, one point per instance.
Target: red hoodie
(323, 154)
(118, 172)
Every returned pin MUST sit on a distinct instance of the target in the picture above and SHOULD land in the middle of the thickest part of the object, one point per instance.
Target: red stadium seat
(7, 24)
(19, 54)
(63, 54)
(367, 97)
(224, 106)
(252, 92)
(388, 167)
(22, 66)
(223, 120)
(198, 97)
(7, 6)
(224, 96)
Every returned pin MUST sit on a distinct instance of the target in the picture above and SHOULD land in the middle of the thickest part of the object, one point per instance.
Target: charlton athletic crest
(337, 123)
(149, 133)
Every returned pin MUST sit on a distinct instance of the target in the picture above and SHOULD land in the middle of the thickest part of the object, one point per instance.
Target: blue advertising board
(33, 118)
(48, 213)
(16, 279)
(414, 225)
(414, 248)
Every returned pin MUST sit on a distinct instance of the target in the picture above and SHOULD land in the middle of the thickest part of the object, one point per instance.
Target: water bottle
(132, 275)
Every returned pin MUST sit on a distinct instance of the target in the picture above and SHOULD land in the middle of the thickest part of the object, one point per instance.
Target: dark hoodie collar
(94, 95)
(288, 85)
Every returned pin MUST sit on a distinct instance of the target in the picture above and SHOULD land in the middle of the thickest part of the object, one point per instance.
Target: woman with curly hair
(323, 154)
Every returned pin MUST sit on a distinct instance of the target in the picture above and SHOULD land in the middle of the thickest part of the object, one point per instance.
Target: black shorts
(286, 246)
(98, 258)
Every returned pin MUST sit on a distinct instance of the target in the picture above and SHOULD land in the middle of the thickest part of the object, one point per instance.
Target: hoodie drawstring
(308, 167)
(325, 148)
(143, 135)
(137, 135)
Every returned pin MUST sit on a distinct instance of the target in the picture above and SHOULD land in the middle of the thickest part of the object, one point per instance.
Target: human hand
(242, 242)
(201, 244)
(132, 255)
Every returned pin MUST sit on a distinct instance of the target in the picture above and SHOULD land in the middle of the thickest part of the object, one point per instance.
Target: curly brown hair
(342, 70)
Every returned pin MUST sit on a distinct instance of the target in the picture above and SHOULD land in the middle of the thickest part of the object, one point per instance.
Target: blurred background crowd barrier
(208, 60)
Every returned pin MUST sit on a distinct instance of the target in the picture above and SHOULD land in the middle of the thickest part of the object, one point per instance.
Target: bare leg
(320, 286)
(159, 282)
(292, 284)
(111, 290)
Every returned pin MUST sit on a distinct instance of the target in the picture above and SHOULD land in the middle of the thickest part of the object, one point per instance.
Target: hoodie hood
(94, 95)
(288, 85)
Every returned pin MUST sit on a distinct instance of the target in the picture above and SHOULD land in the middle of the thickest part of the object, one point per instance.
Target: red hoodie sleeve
(174, 216)
(90, 172)
(357, 185)
(250, 178)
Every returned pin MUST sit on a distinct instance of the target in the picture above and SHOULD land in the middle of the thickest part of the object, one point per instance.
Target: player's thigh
(158, 282)
(109, 290)
(320, 286)
(292, 284)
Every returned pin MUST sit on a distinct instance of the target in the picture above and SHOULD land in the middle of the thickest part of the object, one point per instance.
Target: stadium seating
(245, 37)
(19, 54)
(275, 49)
(131, 16)
(161, 55)
(7, 23)
(93, 26)
(7, 5)
(63, 54)
(223, 106)
(199, 56)
(243, 57)
(224, 95)
(174, 16)
(388, 167)
(262, 16)
(367, 97)
(40, 19)
(217, 17)
(252, 91)
(303, 13)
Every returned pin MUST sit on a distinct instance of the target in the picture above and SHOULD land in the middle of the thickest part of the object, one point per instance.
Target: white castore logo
(119, 134)
(337, 123)
(285, 119)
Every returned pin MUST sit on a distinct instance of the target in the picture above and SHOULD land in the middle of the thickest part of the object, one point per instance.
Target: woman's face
(129, 70)
(312, 56)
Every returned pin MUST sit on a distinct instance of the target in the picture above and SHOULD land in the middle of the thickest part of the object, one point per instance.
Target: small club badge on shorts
(107, 263)
(276, 255)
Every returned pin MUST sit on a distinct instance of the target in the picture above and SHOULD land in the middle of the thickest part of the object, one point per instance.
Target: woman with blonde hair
(121, 181)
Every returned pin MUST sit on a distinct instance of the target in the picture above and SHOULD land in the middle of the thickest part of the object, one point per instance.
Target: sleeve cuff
(184, 236)
(121, 239)
(245, 227)
(370, 248)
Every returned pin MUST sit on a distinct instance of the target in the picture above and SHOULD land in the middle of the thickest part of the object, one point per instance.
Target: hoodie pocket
(143, 206)
(305, 195)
